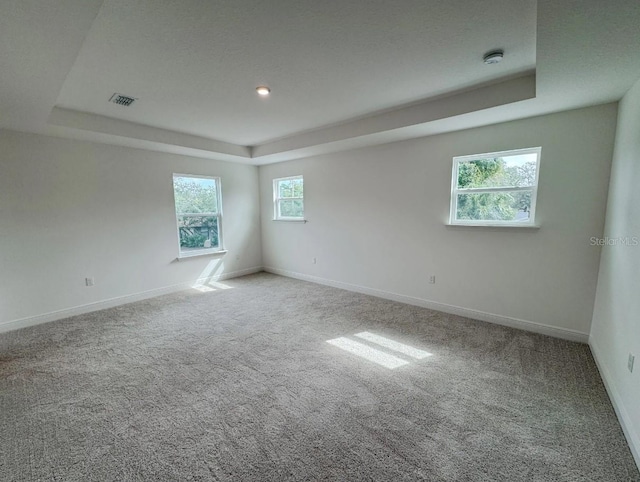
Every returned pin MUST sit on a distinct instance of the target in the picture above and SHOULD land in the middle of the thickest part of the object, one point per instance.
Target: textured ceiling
(194, 65)
(343, 74)
(39, 42)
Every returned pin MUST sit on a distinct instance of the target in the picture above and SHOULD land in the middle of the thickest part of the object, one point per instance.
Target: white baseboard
(117, 301)
(633, 438)
(533, 326)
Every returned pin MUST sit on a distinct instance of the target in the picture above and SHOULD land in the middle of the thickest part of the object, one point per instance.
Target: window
(288, 199)
(495, 189)
(198, 213)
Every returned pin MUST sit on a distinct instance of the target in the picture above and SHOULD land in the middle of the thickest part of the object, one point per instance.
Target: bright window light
(203, 288)
(205, 282)
(288, 199)
(368, 353)
(199, 213)
(210, 286)
(495, 189)
(394, 345)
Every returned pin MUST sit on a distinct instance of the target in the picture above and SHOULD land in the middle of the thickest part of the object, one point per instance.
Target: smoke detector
(123, 100)
(493, 57)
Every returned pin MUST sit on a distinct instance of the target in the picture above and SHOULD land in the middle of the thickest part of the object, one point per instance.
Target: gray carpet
(241, 384)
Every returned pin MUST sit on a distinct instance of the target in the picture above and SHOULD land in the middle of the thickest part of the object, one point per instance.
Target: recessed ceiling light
(263, 90)
(493, 57)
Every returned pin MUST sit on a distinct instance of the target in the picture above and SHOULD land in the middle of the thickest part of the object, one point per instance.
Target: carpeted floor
(241, 384)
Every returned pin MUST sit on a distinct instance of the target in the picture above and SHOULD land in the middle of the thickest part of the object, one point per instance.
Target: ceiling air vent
(122, 100)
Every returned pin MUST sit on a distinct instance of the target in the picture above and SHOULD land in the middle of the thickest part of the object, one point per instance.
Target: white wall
(377, 221)
(616, 319)
(70, 210)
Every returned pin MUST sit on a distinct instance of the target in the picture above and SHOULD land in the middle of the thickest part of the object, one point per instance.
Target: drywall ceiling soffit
(341, 77)
(39, 43)
(326, 66)
(100, 128)
(586, 54)
(369, 130)
(194, 65)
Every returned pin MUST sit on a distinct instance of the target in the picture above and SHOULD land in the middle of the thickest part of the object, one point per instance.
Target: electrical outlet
(432, 280)
(630, 362)
(89, 281)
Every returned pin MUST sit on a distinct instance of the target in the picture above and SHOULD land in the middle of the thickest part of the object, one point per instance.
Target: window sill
(290, 220)
(196, 254)
(482, 225)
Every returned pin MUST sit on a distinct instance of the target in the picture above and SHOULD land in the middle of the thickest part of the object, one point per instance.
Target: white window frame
(277, 199)
(531, 222)
(218, 215)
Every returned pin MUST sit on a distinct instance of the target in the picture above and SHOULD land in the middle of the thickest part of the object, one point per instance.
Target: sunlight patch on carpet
(368, 353)
(206, 282)
(394, 345)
